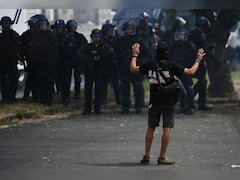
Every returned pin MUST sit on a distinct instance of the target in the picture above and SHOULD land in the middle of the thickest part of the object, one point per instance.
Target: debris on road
(235, 166)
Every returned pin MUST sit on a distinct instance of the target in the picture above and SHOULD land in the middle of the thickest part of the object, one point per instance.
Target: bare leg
(165, 141)
(149, 138)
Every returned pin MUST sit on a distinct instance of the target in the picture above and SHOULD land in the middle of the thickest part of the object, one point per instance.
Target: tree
(222, 20)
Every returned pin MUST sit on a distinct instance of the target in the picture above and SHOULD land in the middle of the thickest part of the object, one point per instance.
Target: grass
(235, 75)
(30, 110)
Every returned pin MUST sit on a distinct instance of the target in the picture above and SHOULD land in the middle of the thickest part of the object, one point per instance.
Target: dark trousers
(67, 78)
(127, 79)
(31, 81)
(45, 82)
(187, 100)
(9, 81)
(95, 78)
(112, 77)
(201, 86)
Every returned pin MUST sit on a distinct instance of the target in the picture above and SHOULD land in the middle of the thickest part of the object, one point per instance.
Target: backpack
(172, 89)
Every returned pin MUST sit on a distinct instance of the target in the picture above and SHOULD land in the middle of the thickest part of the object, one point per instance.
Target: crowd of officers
(51, 53)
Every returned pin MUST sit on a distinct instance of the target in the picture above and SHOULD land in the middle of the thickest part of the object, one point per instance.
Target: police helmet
(96, 33)
(161, 51)
(72, 23)
(59, 23)
(6, 20)
(127, 25)
(178, 22)
(43, 23)
(143, 15)
(108, 21)
(33, 22)
(38, 16)
(180, 34)
(202, 22)
(106, 28)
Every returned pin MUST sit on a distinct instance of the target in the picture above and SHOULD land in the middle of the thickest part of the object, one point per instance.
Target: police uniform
(42, 49)
(31, 67)
(184, 53)
(111, 75)
(199, 38)
(94, 71)
(145, 35)
(9, 56)
(124, 53)
(73, 43)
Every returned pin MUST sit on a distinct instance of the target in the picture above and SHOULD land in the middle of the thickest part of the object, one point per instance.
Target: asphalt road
(205, 141)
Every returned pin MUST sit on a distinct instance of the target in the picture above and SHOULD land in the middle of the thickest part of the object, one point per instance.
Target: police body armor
(200, 39)
(43, 47)
(107, 45)
(9, 46)
(145, 35)
(183, 53)
(124, 50)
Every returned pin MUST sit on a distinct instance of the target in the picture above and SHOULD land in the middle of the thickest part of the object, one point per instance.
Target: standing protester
(183, 52)
(74, 43)
(59, 32)
(30, 67)
(163, 90)
(43, 46)
(124, 54)
(200, 39)
(9, 56)
(111, 75)
(94, 54)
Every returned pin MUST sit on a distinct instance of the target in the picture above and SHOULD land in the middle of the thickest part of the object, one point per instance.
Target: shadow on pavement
(121, 164)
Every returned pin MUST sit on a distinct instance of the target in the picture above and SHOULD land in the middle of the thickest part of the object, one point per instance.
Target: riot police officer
(183, 52)
(200, 39)
(178, 23)
(74, 42)
(159, 33)
(9, 56)
(94, 54)
(59, 31)
(30, 67)
(42, 51)
(113, 23)
(145, 33)
(124, 54)
(111, 75)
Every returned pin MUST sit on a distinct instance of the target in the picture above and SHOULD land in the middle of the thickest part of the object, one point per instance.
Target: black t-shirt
(169, 69)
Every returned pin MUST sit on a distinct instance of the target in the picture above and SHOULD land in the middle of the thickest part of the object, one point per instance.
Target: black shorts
(154, 116)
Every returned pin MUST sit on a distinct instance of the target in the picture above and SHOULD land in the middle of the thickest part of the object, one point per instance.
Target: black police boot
(86, 112)
(138, 110)
(182, 110)
(189, 111)
(119, 102)
(97, 111)
(205, 108)
(77, 97)
(125, 110)
(65, 102)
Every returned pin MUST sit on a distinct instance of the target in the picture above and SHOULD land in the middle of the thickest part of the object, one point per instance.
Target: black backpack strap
(159, 70)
